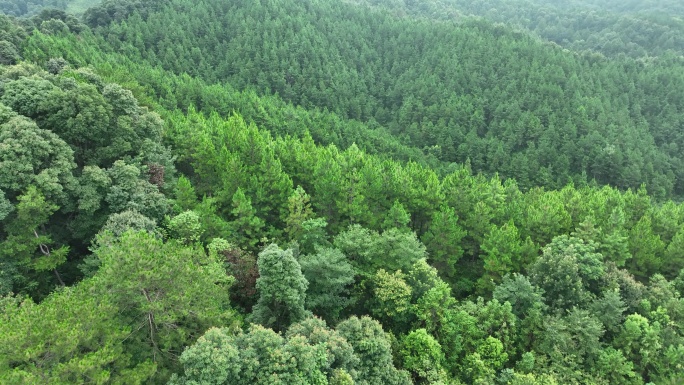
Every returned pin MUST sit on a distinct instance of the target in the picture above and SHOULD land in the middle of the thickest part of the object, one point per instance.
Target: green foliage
(166, 291)
(340, 356)
(185, 195)
(609, 309)
(246, 227)
(116, 225)
(482, 365)
(443, 241)
(309, 353)
(27, 250)
(391, 297)
(520, 293)
(185, 227)
(130, 191)
(569, 272)
(614, 367)
(100, 122)
(397, 217)
(258, 357)
(372, 345)
(639, 342)
(313, 235)
(329, 275)
(369, 251)
(561, 116)
(299, 208)
(66, 145)
(646, 248)
(34, 156)
(571, 341)
(372, 146)
(8, 53)
(5, 206)
(282, 289)
(613, 28)
(502, 254)
(673, 258)
(119, 223)
(422, 278)
(422, 355)
(70, 337)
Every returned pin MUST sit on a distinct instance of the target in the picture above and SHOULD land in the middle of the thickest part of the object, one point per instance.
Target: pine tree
(443, 241)
(246, 227)
(299, 208)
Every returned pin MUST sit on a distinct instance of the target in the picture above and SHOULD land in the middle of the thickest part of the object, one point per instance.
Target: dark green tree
(329, 275)
(282, 289)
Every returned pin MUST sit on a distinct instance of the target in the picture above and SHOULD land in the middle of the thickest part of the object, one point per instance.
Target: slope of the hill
(27, 8)
(158, 87)
(613, 28)
(474, 92)
(578, 285)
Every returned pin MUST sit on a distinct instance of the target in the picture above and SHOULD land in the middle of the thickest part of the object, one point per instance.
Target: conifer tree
(246, 227)
(299, 208)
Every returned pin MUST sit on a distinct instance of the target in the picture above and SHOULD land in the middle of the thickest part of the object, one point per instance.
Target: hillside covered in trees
(27, 8)
(471, 92)
(323, 192)
(637, 28)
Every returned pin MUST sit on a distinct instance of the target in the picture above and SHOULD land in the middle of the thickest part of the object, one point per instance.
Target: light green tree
(397, 218)
(502, 253)
(391, 302)
(70, 337)
(369, 251)
(299, 211)
(185, 227)
(422, 355)
(259, 356)
(646, 247)
(373, 348)
(166, 291)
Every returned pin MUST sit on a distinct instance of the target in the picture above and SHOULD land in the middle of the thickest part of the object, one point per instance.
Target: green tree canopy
(282, 289)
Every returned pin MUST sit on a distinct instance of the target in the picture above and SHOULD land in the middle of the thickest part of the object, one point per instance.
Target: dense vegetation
(172, 212)
(502, 101)
(24, 8)
(635, 28)
(33, 7)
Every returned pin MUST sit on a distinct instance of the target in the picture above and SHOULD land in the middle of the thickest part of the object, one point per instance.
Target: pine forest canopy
(27, 8)
(474, 92)
(359, 192)
(633, 28)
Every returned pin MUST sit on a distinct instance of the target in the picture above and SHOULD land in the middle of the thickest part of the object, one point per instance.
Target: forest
(28, 8)
(362, 192)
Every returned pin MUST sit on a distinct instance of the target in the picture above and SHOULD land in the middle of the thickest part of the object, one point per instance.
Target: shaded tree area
(76, 150)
